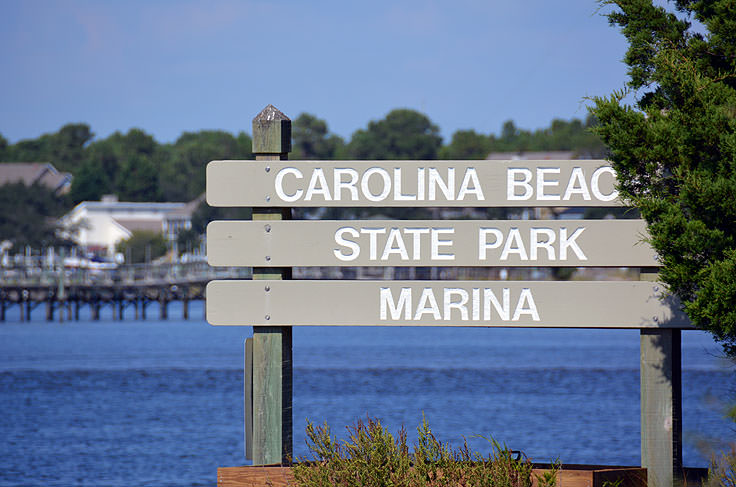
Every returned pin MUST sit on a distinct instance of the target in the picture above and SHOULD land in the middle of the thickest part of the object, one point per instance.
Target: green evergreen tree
(312, 140)
(675, 148)
(403, 134)
(29, 215)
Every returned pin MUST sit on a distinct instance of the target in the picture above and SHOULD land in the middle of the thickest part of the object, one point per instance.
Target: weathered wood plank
(272, 366)
(605, 304)
(411, 183)
(248, 398)
(661, 406)
(568, 476)
(471, 243)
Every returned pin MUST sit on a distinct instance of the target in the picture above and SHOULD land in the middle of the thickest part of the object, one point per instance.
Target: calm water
(160, 403)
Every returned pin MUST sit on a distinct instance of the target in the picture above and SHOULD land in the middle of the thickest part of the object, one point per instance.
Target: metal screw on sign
(268, 198)
(268, 258)
(268, 168)
(268, 317)
(268, 288)
(268, 228)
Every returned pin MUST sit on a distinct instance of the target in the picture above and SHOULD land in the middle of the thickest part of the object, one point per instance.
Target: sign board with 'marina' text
(612, 304)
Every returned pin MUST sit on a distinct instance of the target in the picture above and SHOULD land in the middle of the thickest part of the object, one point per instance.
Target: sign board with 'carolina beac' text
(411, 183)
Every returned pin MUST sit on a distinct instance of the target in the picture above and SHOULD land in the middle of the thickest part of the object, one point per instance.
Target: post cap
(271, 132)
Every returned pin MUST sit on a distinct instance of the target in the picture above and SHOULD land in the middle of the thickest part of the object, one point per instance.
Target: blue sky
(174, 66)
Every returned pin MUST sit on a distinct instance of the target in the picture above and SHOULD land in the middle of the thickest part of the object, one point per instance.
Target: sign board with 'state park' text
(439, 243)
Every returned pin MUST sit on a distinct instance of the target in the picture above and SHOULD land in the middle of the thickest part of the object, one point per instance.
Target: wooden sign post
(271, 348)
(272, 303)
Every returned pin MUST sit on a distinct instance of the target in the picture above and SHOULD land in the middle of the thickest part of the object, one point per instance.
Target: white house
(100, 225)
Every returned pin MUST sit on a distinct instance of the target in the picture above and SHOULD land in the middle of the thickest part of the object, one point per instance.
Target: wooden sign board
(622, 304)
(505, 243)
(483, 183)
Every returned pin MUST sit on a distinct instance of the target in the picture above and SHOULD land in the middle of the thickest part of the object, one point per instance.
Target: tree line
(136, 167)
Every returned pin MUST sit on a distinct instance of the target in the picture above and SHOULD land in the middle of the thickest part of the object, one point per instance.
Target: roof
(553, 155)
(130, 206)
(133, 225)
(42, 173)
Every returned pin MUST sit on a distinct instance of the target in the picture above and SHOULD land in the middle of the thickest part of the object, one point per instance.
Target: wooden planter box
(568, 476)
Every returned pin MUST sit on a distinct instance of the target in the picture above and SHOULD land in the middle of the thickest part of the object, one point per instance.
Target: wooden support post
(661, 402)
(163, 305)
(3, 304)
(248, 398)
(95, 309)
(49, 308)
(61, 292)
(185, 305)
(272, 367)
(76, 308)
(29, 307)
(121, 308)
(143, 308)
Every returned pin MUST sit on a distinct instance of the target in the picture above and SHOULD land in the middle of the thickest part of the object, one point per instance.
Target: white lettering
(514, 238)
(318, 185)
(454, 306)
(483, 244)
(537, 244)
(387, 304)
(531, 308)
(398, 195)
(279, 183)
(365, 187)
(436, 243)
(447, 187)
(595, 184)
(427, 304)
(394, 238)
(570, 242)
(471, 177)
(460, 305)
(353, 246)
(349, 184)
(373, 240)
(512, 183)
(490, 298)
(542, 183)
(416, 233)
(578, 177)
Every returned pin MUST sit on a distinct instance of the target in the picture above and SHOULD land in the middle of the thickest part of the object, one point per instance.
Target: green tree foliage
(65, 148)
(109, 168)
(142, 246)
(403, 134)
(574, 135)
(466, 144)
(29, 214)
(3, 147)
(182, 177)
(312, 140)
(675, 147)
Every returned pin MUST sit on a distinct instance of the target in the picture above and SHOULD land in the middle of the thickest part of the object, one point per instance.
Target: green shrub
(373, 457)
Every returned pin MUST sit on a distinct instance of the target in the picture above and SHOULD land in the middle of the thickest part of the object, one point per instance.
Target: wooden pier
(127, 289)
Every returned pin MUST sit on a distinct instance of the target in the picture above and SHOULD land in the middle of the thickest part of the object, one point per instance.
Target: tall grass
(371, 456)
